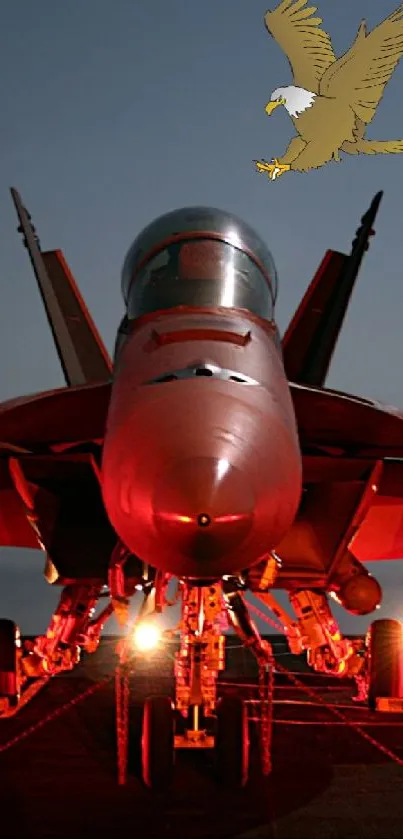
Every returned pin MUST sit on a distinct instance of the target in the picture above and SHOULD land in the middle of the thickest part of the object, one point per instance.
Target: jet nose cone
(204, 506)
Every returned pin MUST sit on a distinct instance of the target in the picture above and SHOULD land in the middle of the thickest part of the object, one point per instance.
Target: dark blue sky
(115, 112)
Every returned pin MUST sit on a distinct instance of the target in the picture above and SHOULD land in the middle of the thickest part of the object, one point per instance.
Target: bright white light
(222, 468)
(228, 293)
(233, 237)
(229, 287)
(146, 636)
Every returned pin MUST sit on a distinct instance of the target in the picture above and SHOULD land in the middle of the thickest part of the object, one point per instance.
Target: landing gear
(385, 677)
(205, 723)
(376, 665)
(232, 742)
(157, 742)
(9, 665)
(239, 616)
(26, 668)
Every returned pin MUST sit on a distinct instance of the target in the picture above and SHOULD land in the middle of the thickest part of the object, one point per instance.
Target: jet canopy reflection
(204, 264)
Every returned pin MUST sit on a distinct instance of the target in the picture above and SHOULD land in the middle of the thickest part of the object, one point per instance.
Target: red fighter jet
(208, 452)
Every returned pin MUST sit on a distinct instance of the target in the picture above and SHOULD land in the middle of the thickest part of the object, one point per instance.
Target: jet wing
(63, 431)
(342, 438)
(311, 337)
(15, 530)
(343, 425)
(62, 498)
(81, 351)
(56, 419)
(381, 533)
(329, 422)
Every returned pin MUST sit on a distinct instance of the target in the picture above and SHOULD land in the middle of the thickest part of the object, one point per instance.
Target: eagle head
(295, 100)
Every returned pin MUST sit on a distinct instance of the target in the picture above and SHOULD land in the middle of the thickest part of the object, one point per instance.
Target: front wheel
(157, 742)
(232, 742)
(385, 661)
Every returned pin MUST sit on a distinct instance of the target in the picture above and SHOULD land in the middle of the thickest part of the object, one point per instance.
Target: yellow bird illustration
(331, 101)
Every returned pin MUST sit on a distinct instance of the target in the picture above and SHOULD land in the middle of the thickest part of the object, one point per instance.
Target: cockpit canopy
(199, 257)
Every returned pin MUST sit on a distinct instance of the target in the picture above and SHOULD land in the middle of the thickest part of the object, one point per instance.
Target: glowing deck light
(146, 636)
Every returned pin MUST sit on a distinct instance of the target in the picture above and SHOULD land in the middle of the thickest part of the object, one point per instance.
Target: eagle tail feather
(373, 147)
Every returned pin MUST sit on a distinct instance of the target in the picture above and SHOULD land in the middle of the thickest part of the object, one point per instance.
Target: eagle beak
(272, 105)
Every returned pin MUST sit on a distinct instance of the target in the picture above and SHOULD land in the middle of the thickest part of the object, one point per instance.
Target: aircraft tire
(157, 742)
(232, 742)
(9, 677)
(385, 660)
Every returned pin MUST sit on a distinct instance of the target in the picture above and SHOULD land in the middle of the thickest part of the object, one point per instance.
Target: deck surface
(327, 782)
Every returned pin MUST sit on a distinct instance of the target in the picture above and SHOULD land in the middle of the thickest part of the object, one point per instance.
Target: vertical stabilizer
(311, 338)
(82, 354)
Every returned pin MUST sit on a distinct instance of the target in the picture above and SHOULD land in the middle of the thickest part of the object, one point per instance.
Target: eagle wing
(360, 76)
(307, 47)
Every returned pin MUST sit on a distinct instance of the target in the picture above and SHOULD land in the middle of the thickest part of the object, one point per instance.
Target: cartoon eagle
(332, 100)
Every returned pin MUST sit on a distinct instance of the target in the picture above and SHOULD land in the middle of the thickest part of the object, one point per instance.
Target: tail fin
(83, 356)
(310, 340)
(373, 147)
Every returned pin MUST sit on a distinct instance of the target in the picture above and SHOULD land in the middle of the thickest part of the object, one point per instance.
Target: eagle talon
(273, 169)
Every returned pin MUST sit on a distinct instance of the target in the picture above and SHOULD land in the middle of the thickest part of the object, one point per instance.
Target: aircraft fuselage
(201, 468)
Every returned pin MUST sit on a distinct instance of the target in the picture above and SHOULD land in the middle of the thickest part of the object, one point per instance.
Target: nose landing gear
(197, 720)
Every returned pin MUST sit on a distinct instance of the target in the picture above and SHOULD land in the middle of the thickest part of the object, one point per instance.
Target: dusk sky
(115, 111)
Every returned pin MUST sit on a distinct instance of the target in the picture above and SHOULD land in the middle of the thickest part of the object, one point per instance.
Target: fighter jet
(208, 451)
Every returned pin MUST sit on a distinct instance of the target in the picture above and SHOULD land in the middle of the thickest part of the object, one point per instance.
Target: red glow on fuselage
(194, 519)
(164, 486)
(176, 517)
